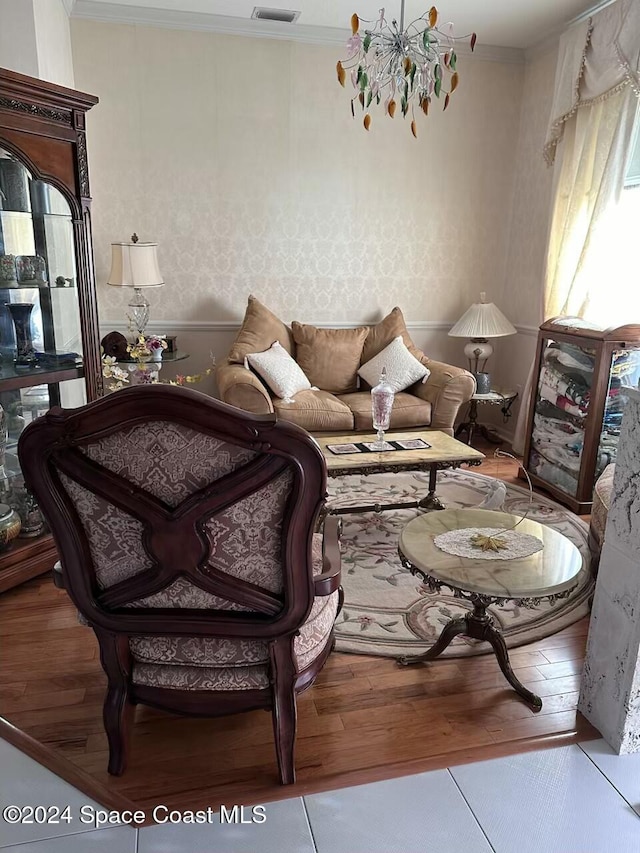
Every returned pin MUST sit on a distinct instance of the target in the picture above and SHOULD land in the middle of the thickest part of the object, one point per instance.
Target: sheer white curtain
(597, 144)
(594, 110)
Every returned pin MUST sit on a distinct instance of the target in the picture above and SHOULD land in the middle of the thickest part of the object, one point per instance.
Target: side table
(504, 399)
(547, 574)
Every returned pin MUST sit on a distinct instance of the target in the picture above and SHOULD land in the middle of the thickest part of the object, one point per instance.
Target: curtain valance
(596, 58)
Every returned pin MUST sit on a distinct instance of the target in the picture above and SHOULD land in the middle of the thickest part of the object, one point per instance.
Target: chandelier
(405, 67)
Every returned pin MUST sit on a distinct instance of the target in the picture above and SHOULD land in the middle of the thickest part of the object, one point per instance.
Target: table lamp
(480, 322)
(135, 265)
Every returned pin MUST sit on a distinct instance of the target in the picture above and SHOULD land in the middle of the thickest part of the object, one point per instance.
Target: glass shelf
(37, 248)
(167, 357)
(12, 377)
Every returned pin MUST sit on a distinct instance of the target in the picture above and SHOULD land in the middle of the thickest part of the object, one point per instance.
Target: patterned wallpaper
(240, 157)
(531, 206)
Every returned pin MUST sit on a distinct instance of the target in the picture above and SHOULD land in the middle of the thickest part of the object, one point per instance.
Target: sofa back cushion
(260, 328)
(384, 332)
(330, 357)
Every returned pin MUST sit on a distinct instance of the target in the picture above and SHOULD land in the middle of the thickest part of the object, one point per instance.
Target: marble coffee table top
(443, 449)
(551, 571)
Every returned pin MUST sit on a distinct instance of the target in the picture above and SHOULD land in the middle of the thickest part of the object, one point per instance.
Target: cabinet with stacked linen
(577, 401)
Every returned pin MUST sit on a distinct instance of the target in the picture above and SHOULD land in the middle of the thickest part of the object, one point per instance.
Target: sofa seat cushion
(315, 411)
(408, 411)
(601, 502)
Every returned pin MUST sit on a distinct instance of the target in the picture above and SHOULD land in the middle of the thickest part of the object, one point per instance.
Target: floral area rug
(389, 612)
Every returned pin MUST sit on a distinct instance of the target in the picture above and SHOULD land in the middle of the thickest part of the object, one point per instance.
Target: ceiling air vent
(283, 16)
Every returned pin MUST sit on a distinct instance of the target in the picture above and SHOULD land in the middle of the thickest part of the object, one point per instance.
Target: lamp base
(477, 351)
(139, 306)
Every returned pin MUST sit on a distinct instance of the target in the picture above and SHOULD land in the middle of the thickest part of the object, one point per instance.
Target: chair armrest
(241, 388)
(329, 580)
(447, 388)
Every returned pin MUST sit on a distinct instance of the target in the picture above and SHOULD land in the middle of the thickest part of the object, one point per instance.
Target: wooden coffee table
(548, 574)
(444, 452)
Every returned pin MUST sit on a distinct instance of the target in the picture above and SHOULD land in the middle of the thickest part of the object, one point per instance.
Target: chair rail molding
(234, 325)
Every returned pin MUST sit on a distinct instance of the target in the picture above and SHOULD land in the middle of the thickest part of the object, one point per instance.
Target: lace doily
(458, 543)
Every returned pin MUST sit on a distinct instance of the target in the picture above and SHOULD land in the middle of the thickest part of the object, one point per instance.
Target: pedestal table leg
(479, 626)
(431, 501)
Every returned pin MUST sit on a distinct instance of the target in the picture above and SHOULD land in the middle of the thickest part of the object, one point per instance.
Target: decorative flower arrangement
(145, 347)
(116, 377)
(144, 374)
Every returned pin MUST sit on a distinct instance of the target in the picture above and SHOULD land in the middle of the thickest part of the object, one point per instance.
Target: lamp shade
(134, 265)
(482, 320)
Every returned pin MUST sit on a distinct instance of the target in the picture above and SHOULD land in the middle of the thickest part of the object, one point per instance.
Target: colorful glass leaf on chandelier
(413, 64)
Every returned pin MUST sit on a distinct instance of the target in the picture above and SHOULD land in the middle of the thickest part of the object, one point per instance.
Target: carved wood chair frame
(174, 540)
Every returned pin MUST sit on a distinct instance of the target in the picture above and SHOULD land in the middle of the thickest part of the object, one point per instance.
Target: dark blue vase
(21, 316)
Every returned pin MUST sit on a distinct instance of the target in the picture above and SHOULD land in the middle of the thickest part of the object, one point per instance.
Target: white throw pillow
(403, 369)
(281, 373)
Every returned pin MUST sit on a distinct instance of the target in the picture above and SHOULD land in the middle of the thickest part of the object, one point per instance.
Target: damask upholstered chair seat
(186, 534)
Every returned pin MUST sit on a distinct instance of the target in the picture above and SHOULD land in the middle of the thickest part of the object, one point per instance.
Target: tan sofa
(333, 357)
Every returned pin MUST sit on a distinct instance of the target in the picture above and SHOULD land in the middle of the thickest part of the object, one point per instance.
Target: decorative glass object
(29, 512)
(21, 316)
(9, 525)
(8, 271)
(4, 432)
(381, 405)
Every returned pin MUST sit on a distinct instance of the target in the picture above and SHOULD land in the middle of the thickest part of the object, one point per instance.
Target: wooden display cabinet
(577, 402)
(46, 261)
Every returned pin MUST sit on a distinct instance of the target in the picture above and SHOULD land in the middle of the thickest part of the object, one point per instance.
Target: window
(615, 299)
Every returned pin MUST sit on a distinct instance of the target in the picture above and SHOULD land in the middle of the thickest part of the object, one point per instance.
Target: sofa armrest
(447, 388)
(239, 387)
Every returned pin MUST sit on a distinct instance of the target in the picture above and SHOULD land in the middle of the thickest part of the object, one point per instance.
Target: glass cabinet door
(561, 408)
(624, 372)
(40, 332)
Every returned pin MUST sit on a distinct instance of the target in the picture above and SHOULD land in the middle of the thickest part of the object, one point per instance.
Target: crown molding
(550, 42)
(114, 13)
(598, 7)
(68, 5)
(542, 48)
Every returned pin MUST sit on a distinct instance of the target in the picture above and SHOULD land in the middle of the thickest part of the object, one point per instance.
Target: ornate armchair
(185, 529)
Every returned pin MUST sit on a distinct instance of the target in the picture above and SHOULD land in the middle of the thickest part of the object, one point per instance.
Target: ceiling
(505, 23)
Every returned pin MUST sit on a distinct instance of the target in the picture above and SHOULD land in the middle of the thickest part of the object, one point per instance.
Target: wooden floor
(365, 719)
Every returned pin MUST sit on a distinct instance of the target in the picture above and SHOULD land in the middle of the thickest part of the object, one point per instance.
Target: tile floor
(572, 799)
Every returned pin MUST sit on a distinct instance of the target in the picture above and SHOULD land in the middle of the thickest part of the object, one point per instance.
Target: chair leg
(118, 710)
(284, 712)
(117, 714)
